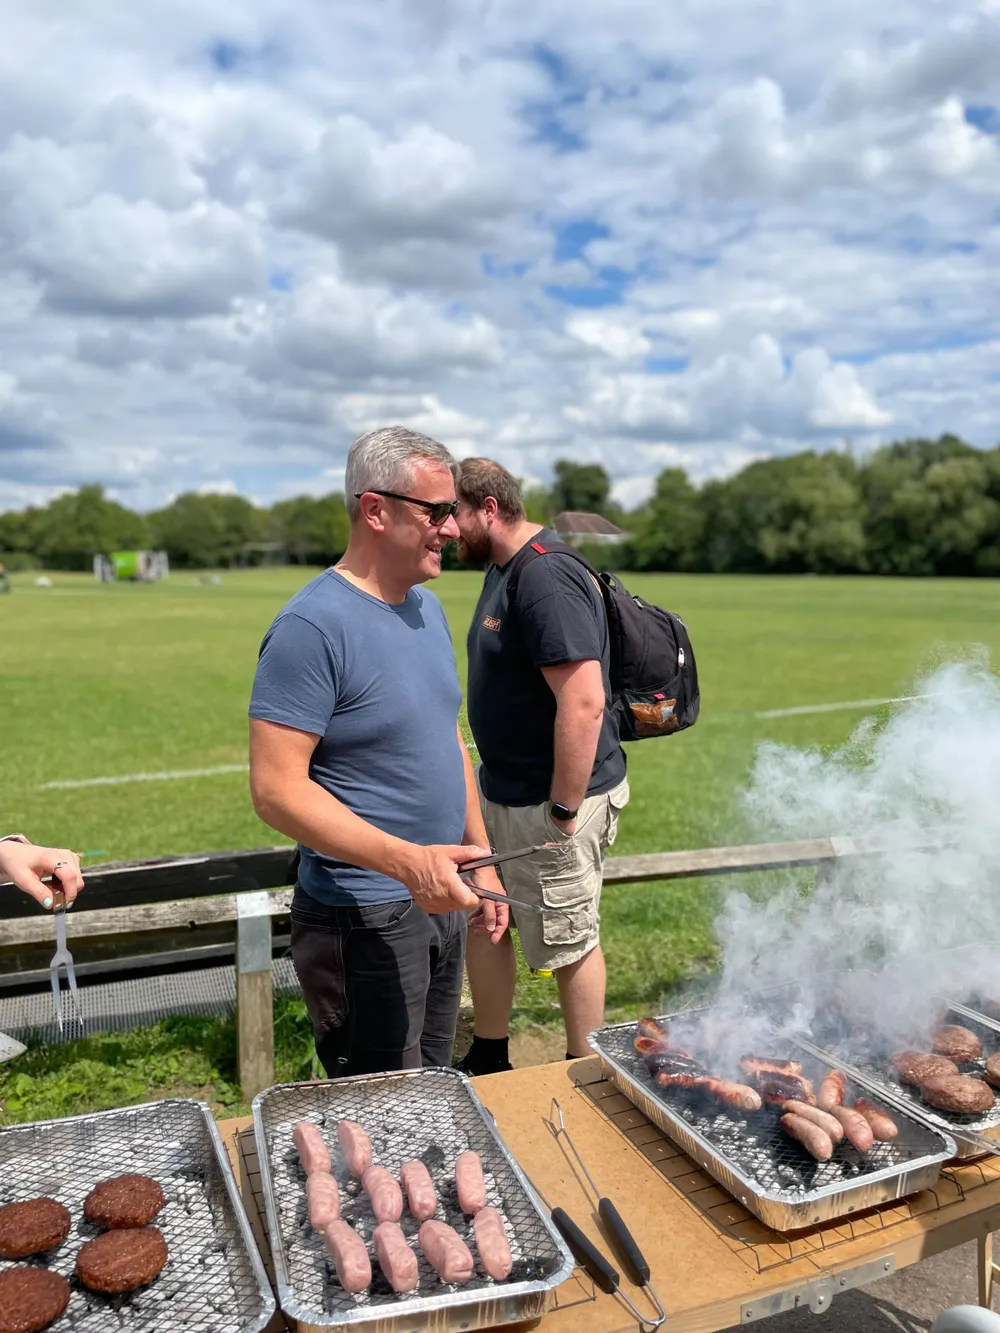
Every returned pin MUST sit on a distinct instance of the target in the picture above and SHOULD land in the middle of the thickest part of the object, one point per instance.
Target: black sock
(487, 1055)
(571, 1056)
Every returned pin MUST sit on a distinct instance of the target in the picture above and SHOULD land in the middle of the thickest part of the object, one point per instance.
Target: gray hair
(382, 460)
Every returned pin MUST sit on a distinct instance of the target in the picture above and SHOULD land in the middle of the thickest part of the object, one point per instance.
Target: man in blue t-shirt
(356, 752)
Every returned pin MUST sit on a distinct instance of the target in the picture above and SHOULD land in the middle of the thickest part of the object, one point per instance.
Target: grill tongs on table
(587, 1255)
(62, 958)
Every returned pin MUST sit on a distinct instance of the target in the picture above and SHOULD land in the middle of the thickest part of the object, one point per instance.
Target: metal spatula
(62, 958)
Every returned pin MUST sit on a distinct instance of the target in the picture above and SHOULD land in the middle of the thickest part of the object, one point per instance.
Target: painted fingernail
(47, 902)
(69, 905)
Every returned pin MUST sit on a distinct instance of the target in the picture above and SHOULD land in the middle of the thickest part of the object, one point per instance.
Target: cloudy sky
(234, 235)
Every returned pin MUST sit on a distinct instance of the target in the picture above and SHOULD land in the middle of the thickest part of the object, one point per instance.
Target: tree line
(916, 507)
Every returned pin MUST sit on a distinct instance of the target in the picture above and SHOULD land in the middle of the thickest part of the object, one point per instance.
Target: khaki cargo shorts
(567, 876)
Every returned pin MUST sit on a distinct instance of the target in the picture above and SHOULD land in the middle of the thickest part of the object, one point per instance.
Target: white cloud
(232, 239)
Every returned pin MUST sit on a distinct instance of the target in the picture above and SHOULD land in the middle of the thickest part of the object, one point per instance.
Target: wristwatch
(562, 812)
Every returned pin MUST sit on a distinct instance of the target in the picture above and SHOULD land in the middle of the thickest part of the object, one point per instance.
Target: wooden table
(714, 1265)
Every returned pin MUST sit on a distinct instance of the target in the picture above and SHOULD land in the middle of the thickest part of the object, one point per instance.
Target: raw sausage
(347, 1249)
(395, 1258)
(446, 1251)
(815, 1140)
(356, 1147)
(856, 1127)
(420, 1192)
(323, 1199)
(313, 1152)
(831, 1090)
(470, 1182)
(828, 1123)
(883, 1126)
(491, 1242)
(385, 1194)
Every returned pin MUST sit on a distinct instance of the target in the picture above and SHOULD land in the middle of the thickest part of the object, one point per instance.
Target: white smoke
(927, 920)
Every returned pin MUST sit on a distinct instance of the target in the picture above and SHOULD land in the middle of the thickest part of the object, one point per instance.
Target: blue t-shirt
(378, 684)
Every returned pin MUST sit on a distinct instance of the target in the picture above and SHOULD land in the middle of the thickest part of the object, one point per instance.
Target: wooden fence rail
(151, 902)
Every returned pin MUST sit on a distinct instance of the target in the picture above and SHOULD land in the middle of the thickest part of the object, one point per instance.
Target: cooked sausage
(828, 1123)
(883, 1126)
(313, 1152)
(733, 1096)
(470, 1182)
(815, 1140)
(446, 1251)
(395, 1258)
(831, 1090)
(491, 1242)
(347, 1249)
(856, 1127)
(420, 1193)
(323, 1200)
(385, 1194)
(356, 1147)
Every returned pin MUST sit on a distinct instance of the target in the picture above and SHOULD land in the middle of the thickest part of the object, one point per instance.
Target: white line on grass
(802, 709)
(125, 778)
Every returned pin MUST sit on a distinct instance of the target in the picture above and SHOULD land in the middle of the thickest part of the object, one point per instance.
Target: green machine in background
(132, 566)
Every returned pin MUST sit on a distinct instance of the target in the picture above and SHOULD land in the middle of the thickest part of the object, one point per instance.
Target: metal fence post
(254, 997)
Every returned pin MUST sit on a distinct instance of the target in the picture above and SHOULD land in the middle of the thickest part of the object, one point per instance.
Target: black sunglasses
(438, 511)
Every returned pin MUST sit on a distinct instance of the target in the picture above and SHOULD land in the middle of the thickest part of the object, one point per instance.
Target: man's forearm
(577, 730)
(303, 810)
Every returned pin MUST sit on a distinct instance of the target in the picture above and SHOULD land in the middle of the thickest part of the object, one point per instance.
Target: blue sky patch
(572, 238)
(984, 117)
(666, 365)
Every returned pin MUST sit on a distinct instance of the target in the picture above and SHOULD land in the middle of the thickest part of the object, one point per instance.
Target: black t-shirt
(558, 617)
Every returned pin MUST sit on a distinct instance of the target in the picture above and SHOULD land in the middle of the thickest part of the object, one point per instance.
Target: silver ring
(58, 865)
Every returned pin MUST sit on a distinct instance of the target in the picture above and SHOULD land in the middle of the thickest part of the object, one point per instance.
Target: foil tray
(759, 1164)
(213, 1282)
(867, 1066)
(433, 1114)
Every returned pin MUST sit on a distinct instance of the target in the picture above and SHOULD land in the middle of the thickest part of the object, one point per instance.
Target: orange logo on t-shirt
(491, 622)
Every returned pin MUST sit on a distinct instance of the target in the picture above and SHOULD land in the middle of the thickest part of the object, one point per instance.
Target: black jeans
(382, 984)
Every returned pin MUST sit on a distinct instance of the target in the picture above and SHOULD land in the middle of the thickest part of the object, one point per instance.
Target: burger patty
(31, 1227)
(30, 1298)
(959, 1094)
(915, 1067)
(957, 1043)
(121, 1260)
(993, 1070)
(123, 1201)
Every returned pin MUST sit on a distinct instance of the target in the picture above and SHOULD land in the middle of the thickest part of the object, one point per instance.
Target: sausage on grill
(734, 1096)
(652, 1027)
(491, 1242)
(957, 1043)
(385, 1194)
(420, 1191)
(776, 1087)
(395, 1258)
(815, 1140)
(311, 1146)
(831, 1090)
(828, 1123)
(759, 1064)
(323, 1200)
(856, 1127)
(883, 1126)
(470, 1182)
(446, 1251)
(356, 1147)
(347, 1249)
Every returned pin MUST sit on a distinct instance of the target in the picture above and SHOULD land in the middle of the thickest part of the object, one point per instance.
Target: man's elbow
(265, 794)
(586, 707)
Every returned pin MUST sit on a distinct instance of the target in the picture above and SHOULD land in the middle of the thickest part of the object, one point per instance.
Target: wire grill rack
(213, 1281)
(430, 1114)
(871, 1061)
(764, 1167)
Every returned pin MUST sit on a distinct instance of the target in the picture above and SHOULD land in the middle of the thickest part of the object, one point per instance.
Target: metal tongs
(467, 867)
(62, 958)
(590, 1258)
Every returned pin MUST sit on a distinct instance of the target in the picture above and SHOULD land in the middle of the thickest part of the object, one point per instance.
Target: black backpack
(653, 676)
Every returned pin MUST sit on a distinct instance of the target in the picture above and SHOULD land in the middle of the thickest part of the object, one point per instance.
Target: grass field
(105, 681)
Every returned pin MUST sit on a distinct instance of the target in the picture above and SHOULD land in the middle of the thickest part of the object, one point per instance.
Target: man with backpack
(552, 769)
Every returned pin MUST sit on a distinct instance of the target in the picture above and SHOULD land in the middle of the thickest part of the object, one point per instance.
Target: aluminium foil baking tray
(213, 1282)
(758, 1163)
(433, 1114)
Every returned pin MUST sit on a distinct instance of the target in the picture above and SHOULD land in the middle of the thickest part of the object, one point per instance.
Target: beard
(474, 545)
